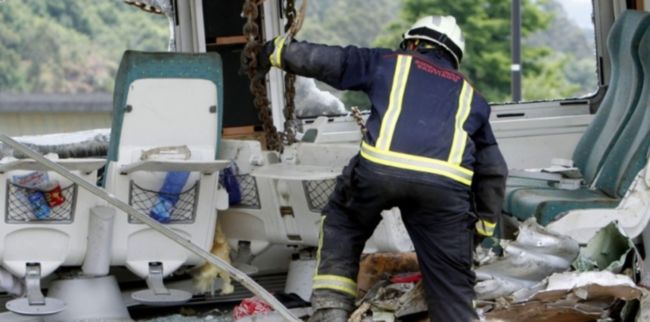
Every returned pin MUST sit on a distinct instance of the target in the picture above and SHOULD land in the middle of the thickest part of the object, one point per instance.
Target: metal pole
(236, 274)
(515, 68)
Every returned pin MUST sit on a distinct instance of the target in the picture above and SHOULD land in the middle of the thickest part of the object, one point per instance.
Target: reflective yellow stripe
(336, 288)
(400, 77)
(276, 56)
(339, 279)
(320, 243)
(485, 228)
(460, 135)
(335, 282)
(417, 163)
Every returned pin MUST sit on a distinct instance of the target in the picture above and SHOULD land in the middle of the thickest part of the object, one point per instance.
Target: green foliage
(71, 46)
(558, 59)
(486, 25)
(550, 81)
(347, 22)
(575, 45)
(356, 98)
(75, 45)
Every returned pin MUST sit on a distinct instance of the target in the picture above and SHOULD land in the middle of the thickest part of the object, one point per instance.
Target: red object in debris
(406, 278)
(250, 307)
(54, 196)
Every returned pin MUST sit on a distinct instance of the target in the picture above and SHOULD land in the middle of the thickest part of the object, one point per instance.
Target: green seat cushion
(515, 183)
(547, 204)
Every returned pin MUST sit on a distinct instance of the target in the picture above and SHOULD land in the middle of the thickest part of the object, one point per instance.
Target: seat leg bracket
(157, 294)
(34, 303)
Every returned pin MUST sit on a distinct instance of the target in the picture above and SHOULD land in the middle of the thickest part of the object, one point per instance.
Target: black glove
(270, 54)
(263, 61)
(483, 229)
(478, 239)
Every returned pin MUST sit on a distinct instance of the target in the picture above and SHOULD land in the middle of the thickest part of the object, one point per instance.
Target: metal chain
(274, 140)
(290, 82)
(258, 81)
(356, 114)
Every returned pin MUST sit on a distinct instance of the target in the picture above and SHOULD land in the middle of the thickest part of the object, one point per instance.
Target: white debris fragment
(312, 101)
(571, 280)
(64, 138)
(65, 145)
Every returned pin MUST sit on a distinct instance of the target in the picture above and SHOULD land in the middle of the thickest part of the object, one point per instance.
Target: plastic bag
(232, 185)
(250, 307)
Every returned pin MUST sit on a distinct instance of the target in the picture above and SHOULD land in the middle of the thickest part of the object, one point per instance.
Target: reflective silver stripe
(400, 77)
(335, 282)
(321, 237)
(417, 163)
(460, 135)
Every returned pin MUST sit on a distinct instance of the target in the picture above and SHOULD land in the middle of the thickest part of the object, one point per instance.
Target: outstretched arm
(488, 184)
(344, 68)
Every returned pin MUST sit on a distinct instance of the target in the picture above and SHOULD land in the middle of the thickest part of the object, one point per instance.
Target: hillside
(74, 46)
(70, 46)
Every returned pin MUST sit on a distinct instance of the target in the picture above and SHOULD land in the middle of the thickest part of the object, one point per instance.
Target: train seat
(40, 236)
(623, 161)
(165, 133)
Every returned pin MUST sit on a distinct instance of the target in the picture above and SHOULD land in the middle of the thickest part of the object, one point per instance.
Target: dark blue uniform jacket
(427, 122)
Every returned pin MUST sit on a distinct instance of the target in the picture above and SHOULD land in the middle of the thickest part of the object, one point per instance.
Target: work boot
(329, 315)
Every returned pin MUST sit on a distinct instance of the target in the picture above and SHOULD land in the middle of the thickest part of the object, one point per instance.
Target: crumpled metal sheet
(534, 255)
(91, 143)
(153, 6)
(572, 296)
(558, 284)
(607, 250)
(386, 301)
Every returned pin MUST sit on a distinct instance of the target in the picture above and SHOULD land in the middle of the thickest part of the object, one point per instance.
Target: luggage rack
(250, 198)
(183, 212)
(318, 193)
(19, 210)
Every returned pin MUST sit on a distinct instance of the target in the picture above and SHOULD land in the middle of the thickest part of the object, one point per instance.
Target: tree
(347, 22)
(550, 82)
(486, 25)
(574, 47)
(70, 46)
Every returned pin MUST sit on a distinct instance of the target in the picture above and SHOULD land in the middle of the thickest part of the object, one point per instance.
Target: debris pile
(534, 255)
(542, 276)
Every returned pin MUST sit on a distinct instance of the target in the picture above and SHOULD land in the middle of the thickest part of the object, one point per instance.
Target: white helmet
(441, 30)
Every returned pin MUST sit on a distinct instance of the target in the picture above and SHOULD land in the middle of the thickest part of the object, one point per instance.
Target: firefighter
(429, 150)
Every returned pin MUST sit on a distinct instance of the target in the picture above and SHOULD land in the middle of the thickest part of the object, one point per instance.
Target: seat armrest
(556, 180)
(296, 172)
(206, 167)
(565, 172)
(554, 177)
(82, 165)
(567, 163)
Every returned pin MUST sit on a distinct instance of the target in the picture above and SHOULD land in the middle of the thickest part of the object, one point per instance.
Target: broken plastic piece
(250, 307)
(608, 250)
